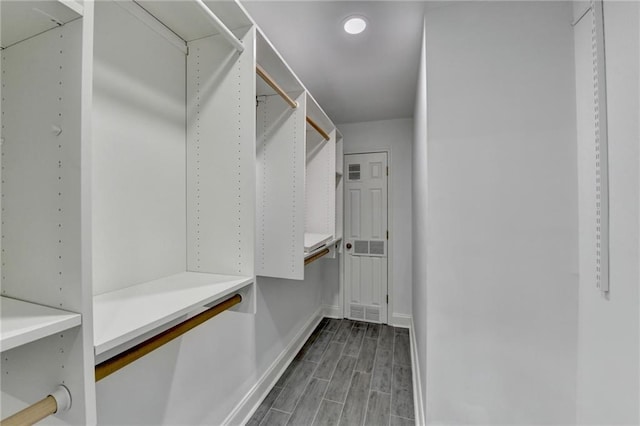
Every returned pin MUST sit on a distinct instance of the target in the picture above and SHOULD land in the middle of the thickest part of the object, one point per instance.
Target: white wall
(608, 350)
(199, 378)
(396, 137)
(502, 214)
(419, 223)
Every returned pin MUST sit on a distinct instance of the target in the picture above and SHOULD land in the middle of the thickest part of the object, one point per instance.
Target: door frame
(343, 294)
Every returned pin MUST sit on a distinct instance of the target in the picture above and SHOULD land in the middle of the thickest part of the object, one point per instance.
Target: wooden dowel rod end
(33, 413)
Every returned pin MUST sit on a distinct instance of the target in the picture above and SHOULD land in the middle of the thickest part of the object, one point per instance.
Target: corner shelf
(123, 315)
(25, 322)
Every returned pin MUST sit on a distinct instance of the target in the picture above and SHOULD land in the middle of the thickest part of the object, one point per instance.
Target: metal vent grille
(361, 247)
(357, 311)
(376, 247)
(372, 313)
(354, 171)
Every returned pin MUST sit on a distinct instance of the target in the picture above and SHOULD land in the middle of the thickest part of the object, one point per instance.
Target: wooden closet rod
(60, 400)
(271, 82)
(316, 256)
(224, 31)
(119, 361)
(318, 128)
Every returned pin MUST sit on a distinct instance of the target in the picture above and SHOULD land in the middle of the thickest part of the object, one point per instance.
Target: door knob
(348, 246)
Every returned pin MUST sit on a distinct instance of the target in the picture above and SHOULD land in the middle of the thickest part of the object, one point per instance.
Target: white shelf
(24, 19)
(24, 322)
(329, 244)
(189, 22)
(313, 242)
(123, 315)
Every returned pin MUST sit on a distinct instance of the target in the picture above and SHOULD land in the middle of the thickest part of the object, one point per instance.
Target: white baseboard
(417, 378)
(333, 311)
(250, 403)
(401, 320)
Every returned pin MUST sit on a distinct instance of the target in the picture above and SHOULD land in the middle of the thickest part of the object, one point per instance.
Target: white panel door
(366, 237)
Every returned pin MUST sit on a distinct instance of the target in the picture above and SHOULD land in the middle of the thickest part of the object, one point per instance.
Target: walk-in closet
(313, 213)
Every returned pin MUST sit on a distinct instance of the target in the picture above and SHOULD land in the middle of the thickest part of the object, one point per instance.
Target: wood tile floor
(348, 373)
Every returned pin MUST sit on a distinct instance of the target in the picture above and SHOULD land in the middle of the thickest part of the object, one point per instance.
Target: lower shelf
(24, 322)
(313, 242)
(124, 315)
(331, 245)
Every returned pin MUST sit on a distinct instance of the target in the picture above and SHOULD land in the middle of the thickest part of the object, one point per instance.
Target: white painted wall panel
(367, 272)
(419, 197)
(608, 384)
(354, 217)
(376, 230)
(501, 259)
(139, 154)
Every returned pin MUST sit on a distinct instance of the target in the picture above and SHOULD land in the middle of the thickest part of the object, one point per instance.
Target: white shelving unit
(173, 214)
(121, 320)
(45, 339)
(24, 322)
(296, 171)
(140, 184)
(320, 177)
(280, 168)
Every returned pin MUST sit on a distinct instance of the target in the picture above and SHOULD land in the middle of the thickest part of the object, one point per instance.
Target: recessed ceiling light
(355, 24)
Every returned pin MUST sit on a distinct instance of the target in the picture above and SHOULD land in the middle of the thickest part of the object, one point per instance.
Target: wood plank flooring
(348, 373)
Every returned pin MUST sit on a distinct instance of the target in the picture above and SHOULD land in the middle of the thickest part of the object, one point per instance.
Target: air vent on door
(376, 247)
(360, 247)
(354, 171)
(357, 311)
(372, 313)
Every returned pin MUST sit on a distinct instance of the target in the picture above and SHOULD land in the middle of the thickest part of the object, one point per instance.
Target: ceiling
(365, 77)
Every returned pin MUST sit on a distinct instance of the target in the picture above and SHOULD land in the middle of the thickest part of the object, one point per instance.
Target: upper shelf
(187, 20)
(24, 322)
(123, 315)
(24, 19)
(269, 59)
